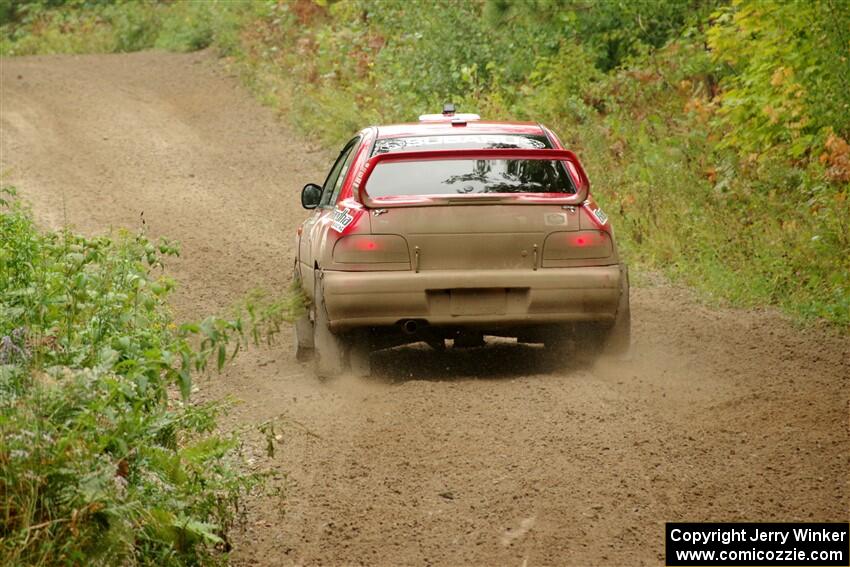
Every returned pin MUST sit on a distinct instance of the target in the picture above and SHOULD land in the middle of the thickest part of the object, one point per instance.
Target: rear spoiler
(571, 162)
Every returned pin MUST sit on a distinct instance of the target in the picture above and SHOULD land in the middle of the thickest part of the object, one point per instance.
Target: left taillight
(371, 249)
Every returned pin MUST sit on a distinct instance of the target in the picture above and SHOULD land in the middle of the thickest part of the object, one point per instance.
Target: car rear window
(462, 142)
(469, 176)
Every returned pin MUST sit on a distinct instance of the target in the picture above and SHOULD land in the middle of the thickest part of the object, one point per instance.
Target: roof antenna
(448, 109)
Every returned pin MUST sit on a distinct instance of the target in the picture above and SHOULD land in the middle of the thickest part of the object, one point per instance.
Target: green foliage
(95, 472)
(101, 461)
(562, 87)
(611, 31)
(790, 79)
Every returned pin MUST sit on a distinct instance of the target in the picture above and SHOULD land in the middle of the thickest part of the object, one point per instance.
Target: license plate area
(481, 301)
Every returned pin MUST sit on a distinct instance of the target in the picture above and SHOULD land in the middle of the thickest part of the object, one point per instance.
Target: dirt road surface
(489, 456)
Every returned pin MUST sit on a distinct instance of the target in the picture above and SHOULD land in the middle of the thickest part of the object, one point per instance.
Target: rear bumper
(491, 298)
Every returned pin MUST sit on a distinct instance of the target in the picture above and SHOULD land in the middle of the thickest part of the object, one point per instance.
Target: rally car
(452, 229)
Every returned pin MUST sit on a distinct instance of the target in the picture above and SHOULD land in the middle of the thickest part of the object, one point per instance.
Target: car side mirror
(311, 195)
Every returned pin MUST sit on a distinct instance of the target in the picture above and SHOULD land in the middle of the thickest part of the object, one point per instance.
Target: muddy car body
(456, 228)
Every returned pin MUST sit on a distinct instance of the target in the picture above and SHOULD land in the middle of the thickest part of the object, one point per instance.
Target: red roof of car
(448, 128)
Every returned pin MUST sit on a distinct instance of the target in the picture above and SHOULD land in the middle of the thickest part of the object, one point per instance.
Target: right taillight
(577, 245)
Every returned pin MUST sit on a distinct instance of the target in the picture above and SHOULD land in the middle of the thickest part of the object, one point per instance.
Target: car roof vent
(449, 115)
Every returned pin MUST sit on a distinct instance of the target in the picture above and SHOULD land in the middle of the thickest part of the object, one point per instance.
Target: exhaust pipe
(410, 326)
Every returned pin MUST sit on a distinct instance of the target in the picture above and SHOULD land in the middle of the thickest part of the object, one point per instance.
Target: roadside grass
(78, 26)
(104, 458)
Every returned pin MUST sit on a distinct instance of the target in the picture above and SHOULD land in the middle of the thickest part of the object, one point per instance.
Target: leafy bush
(101, 460)
(95, 472)
(790, 79)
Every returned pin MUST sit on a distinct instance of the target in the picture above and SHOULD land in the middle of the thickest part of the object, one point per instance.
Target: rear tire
(619, 337)
(330, 349)
(304, 349)
(591, 340)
